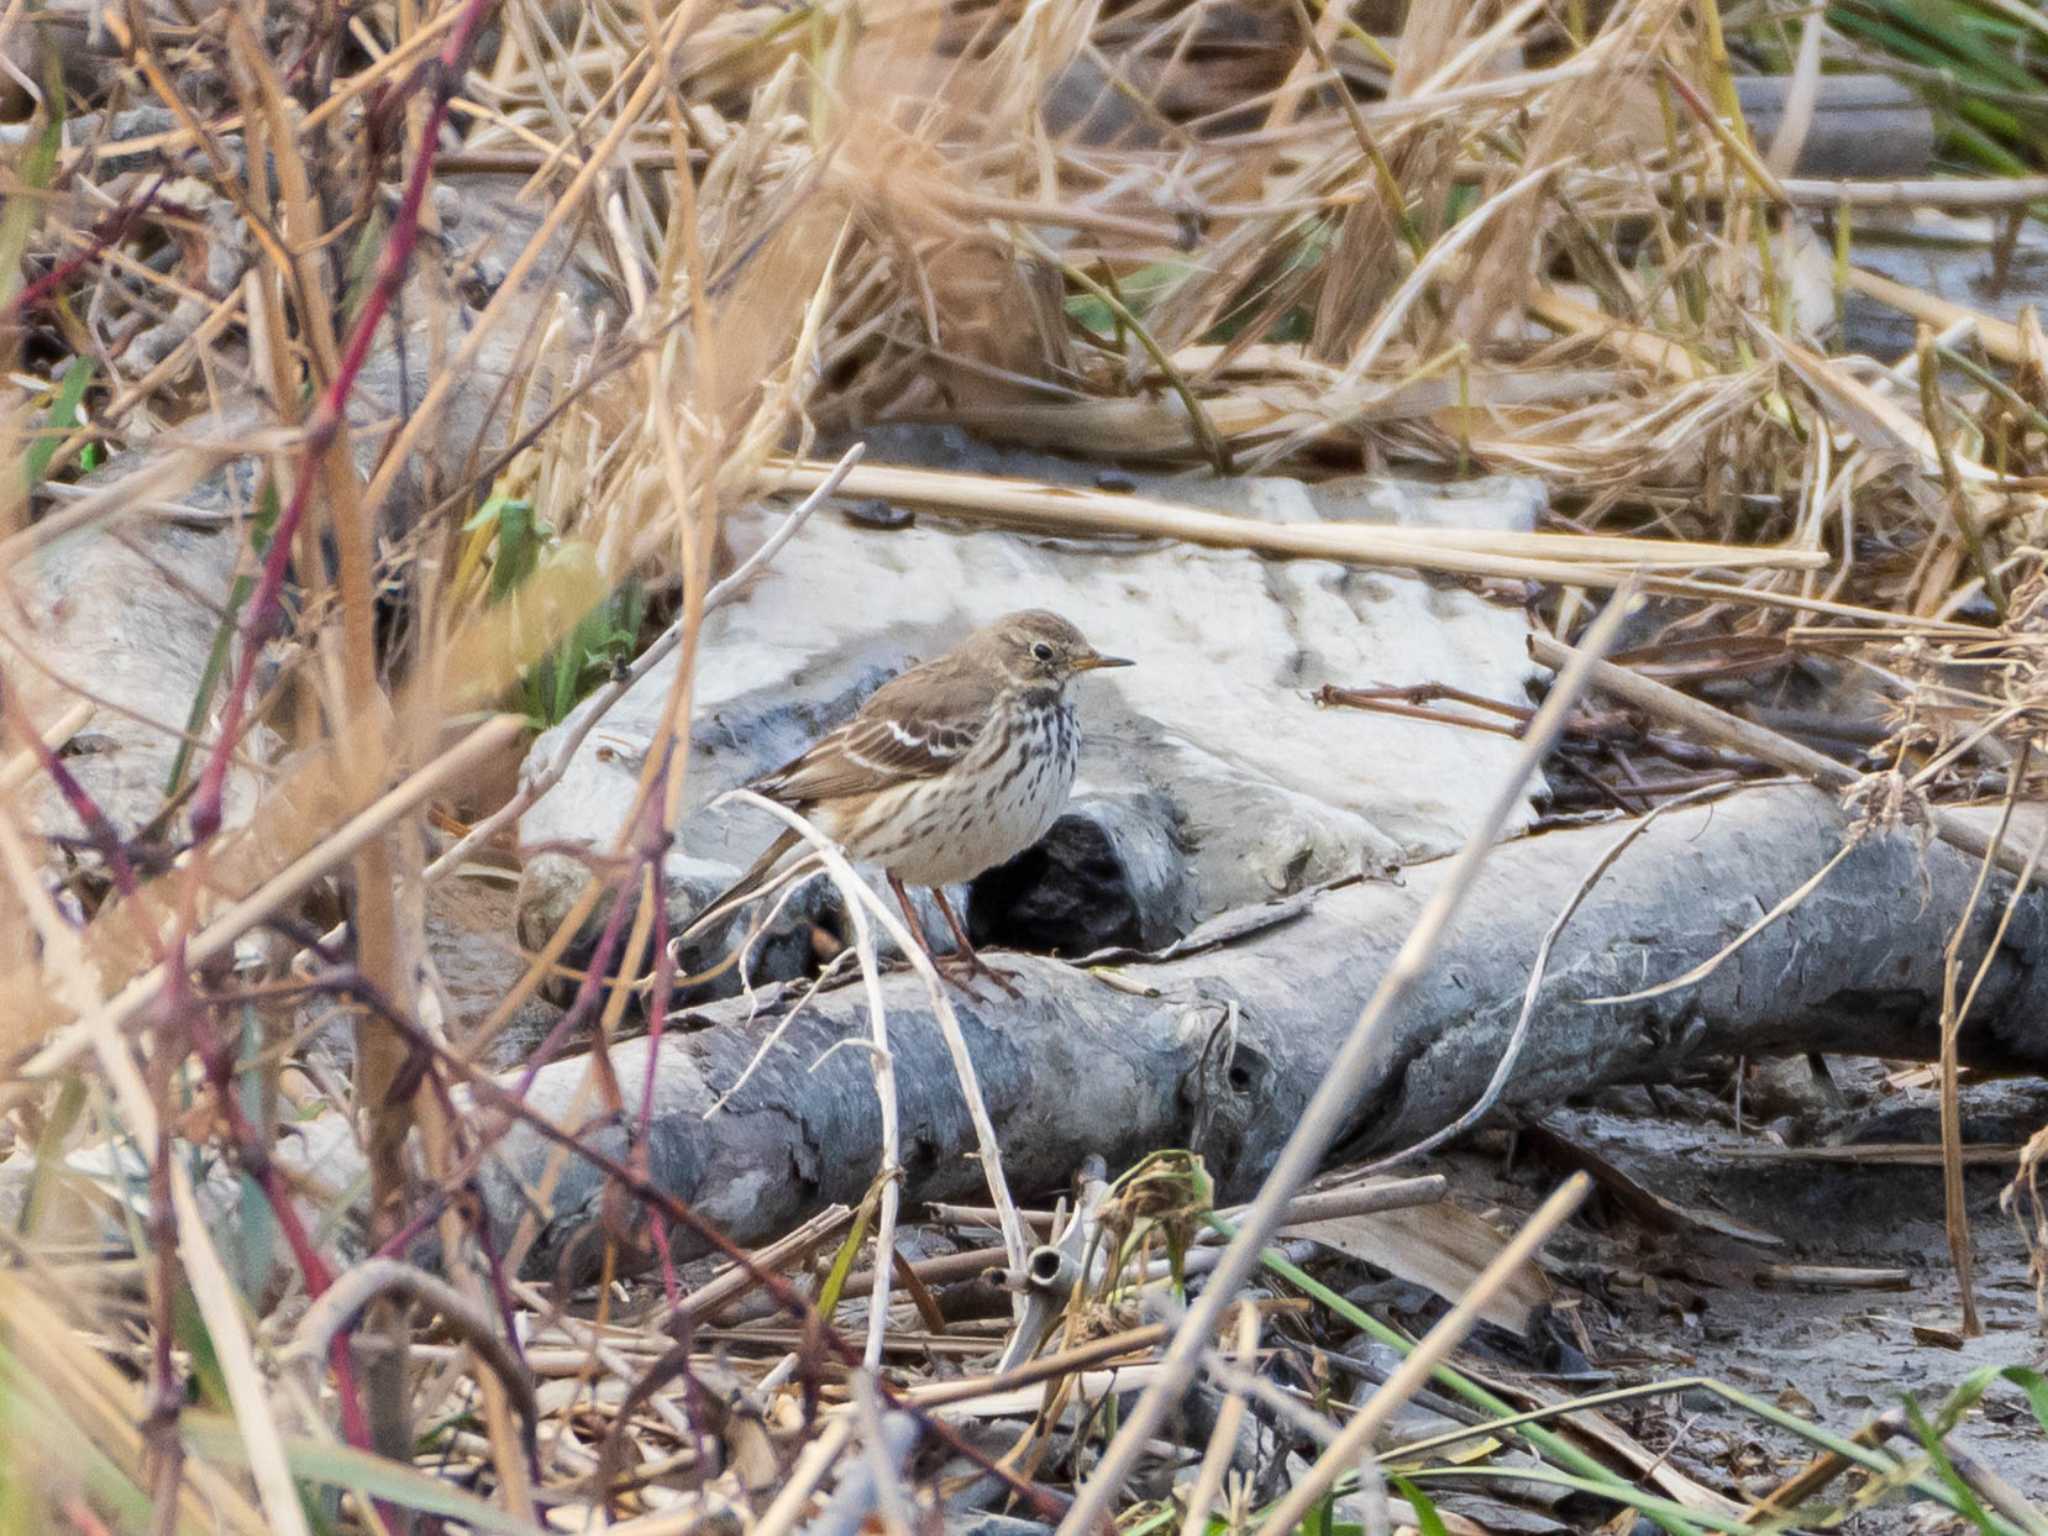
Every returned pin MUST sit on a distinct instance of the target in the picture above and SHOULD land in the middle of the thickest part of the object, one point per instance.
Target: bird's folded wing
(900, 736)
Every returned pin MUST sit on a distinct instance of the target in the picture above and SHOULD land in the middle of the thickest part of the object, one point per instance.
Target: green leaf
(538, 688)
(1545, 1442)
(197, 1340)
(607, 635)
(30, 1416)
(1654, 1505)
(18, 215)
(568, 668)
(1091, 314)
(2034, 1385)
(1937, 1454)
(260, 529)
(255, 1246)
(1972, 1387)
(1427, 1520)
(62, 418)
(842, 1261)
(487, 514)
(518, 546)
(49, 1151)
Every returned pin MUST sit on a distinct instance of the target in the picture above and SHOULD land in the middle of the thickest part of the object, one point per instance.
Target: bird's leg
(976, 966)
(917, 933)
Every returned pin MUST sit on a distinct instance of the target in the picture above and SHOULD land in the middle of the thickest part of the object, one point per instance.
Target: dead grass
(624, 263)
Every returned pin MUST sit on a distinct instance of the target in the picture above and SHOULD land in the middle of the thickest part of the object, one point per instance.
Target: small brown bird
(948, 770)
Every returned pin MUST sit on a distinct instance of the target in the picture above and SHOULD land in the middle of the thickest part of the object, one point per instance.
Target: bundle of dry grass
(460, 318)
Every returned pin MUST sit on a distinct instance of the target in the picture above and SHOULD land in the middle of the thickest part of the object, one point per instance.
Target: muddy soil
(1674, 1297)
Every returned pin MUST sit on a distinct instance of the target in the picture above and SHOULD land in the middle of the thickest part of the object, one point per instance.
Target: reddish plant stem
(650, 845)
(167, 1390)
(260, 620)
(184, 1024)
(261, 615)
(82, 1517)
(589, 990)
(819, 1334)
(348, 979)
(108, 232)
(252, 1152)
(99, 828)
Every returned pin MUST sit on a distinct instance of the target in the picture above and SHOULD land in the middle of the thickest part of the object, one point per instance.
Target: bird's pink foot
(964, 967)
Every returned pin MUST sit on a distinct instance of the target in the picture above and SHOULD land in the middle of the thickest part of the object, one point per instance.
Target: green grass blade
(62, 418)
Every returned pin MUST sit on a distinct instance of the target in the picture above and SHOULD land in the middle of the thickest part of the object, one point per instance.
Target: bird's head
(1036, 647)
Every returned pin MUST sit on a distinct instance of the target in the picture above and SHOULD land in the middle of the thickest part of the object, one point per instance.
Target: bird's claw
(974, 968)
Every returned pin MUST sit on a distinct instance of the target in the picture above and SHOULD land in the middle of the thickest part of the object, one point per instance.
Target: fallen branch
(1080, 1066)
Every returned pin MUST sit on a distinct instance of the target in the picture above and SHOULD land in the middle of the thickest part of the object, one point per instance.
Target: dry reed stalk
(1222, 1446)
(1953, 1013)
(1355, 1440)
(201, 1263)
(102, 1407)
(1084, 512)
(859, 900)
(23, 766)
(221, 1307)
(1927, 192)
(1998, 337)
(1324, 1115)
(1723, 729)
(843, 225)
(119, 1011)
(989, 1146)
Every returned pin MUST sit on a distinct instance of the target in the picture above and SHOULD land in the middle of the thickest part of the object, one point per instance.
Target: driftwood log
(1221, 1049)
(1862, 125)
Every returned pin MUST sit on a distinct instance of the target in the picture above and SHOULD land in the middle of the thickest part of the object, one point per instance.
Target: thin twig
(357, 1287)
(1328, 1110)
(1723, 729)
(219, 936)
(20, 768)
(1356, 1437)
(942, 1010)
(1956, 1215)
(1223, 1439)
(1520, 1033)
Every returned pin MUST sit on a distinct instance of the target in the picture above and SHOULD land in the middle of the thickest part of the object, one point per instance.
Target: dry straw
(1474, 244)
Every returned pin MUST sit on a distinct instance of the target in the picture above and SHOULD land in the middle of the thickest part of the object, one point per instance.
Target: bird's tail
(743, 889)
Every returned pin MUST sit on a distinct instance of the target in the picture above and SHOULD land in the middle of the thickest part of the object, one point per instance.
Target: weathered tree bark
(1229, 1044)
(1862, 125)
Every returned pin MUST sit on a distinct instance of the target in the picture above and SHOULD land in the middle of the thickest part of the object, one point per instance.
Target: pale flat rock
(122, 617)
(1209, 778)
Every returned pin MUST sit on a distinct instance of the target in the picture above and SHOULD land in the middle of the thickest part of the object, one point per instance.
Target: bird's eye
(1042, 651)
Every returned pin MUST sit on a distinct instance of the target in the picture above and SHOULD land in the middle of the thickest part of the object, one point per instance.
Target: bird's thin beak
(1093, 660)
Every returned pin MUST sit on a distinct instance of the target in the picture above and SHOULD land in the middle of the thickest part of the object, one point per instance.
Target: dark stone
(1067, 895)
(877, 513)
